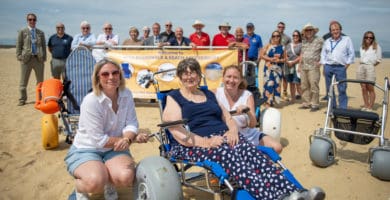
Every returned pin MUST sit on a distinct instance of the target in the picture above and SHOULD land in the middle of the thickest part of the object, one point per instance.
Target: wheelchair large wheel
(322, 152)
(156, 178)
(49, 136)
(271, 122)
(380, 164)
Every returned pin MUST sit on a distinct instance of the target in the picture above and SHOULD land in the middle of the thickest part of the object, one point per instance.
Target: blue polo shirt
(60, 47)
(255, 44)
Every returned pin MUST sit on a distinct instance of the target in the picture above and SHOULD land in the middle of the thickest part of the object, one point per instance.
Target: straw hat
(224, 24)
(310, 26)
(198, 22)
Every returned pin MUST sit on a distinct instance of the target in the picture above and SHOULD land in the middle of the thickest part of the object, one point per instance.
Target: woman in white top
(370, 57)
(99, 157)
(234, 96)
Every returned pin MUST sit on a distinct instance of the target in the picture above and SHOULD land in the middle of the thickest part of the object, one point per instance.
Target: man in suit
(155, 39)
(31, 52)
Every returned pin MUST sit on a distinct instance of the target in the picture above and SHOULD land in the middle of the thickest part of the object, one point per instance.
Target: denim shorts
(76, 157)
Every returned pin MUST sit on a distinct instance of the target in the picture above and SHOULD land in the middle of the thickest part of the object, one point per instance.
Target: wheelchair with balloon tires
(162, 177)
(354, 126)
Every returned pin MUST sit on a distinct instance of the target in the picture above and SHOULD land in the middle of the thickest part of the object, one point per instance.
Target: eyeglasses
(108, 29)
(168, 25)
(60, 27)
(281, 27)
(295, 35)
(188, 74)
(275, 36)
(107, 74)
(85, 28)
(371, 38)
(32, 19)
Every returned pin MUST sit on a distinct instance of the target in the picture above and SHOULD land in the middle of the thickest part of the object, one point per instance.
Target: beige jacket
(23, 45)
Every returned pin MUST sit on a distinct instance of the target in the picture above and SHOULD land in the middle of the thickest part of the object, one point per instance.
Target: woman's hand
(231, 138)
(141, 138)
(215, 141)
(122, 144)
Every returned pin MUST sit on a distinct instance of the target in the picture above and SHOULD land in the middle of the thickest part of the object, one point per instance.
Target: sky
(356, 16)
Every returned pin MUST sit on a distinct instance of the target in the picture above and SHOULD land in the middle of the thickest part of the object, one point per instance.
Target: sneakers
(314, 109)
(78, 196)
(110, 192)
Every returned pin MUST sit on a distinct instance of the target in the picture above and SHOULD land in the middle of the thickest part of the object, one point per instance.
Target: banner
(139, 64)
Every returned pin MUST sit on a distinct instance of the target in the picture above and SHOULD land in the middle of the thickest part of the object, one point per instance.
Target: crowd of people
(294, 63)
(100, 159)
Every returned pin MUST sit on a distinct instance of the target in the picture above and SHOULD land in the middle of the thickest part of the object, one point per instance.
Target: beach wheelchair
(162, 177)
(65, 97)
(354, 126)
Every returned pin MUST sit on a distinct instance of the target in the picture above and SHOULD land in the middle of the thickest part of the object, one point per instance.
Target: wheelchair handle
(232, 112)
(167, 124)
(163, 71)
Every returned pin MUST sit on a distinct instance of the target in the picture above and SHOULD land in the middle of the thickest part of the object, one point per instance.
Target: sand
(29, 172)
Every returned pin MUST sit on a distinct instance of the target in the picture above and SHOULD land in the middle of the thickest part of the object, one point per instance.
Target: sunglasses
(371, 38)
(276, 36)
(85, 28)
(107, 74)
(107, 28)
(295, 35)
(280, 26)
(32, 19)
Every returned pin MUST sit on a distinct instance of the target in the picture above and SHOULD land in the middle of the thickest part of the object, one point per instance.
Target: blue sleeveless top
(204, 119)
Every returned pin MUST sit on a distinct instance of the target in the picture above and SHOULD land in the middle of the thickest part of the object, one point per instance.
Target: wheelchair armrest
(167, 124)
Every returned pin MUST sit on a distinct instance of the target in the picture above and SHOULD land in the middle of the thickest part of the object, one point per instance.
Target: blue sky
(356, 16)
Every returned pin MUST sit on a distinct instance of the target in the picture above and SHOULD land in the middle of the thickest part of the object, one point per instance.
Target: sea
(10, 43)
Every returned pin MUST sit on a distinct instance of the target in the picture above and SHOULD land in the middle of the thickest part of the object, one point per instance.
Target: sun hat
(310, 26)
(224, 24)
(198, 22)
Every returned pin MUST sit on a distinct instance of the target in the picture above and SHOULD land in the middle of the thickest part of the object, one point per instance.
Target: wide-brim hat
(198, 22)
(224, 24)
(310, 26)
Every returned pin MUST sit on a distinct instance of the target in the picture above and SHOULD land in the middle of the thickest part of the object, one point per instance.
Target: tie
(33, 42)
(107, 37)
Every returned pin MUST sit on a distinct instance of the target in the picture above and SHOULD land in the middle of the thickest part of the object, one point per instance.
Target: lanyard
(331, 45)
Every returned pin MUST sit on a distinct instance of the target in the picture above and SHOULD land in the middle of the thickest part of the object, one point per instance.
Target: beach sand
(30, 172)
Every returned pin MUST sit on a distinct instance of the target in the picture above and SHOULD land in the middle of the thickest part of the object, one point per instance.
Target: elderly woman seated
(214, 136)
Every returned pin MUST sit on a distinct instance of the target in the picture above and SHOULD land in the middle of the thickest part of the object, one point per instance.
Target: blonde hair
(96, 87)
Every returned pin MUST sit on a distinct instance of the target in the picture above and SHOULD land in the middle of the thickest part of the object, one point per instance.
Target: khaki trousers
(310, 86)
(25, 72)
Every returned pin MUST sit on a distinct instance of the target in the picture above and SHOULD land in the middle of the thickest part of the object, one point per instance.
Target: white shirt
(98, 121)
(251, 134)
(112, 38)
(99, 54)
(371, 56)
(340, 52)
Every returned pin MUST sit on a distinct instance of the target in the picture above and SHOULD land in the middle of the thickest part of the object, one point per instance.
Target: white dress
(251, 134)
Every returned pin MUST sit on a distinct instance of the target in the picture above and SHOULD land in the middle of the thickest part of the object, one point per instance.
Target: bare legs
(368, 93)
(92, 176)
